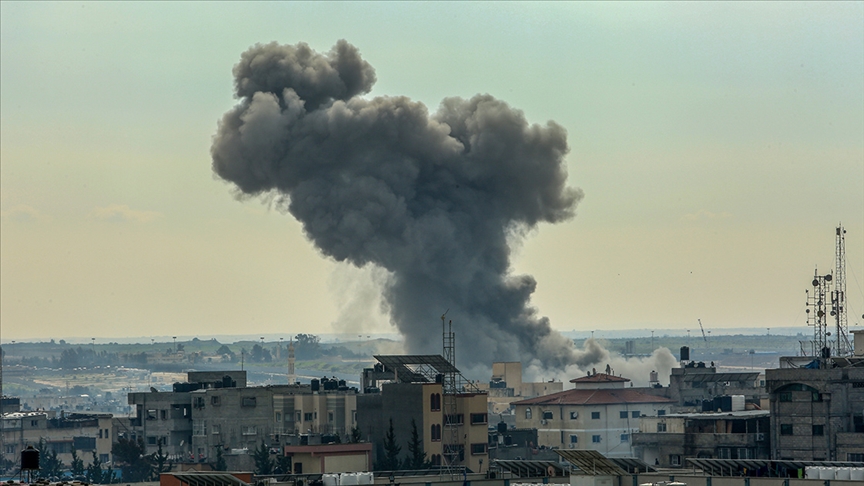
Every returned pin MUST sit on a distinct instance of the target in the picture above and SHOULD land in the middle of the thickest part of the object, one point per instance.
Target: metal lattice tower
(838, 297)
(817, 315)
(450, 386)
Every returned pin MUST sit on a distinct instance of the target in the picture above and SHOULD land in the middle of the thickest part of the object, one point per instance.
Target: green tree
(129, 455)
(77, 464)
(263, 463)
(50, 464)
(283, 464)
(220, 460)
(390, 459)
(416, 455)
(159, 459)
(356, 435)
(95, 474)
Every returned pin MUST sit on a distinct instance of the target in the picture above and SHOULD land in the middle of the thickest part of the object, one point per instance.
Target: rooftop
(595, 397)
(599, 378)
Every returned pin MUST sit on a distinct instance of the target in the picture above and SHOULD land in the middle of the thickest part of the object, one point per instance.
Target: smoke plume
(431, 199)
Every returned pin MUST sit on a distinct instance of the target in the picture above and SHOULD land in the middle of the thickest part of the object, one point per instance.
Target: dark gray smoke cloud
(432, 199)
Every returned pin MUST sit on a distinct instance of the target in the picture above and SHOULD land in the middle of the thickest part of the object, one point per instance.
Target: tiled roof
(599, 378)
(595, 397)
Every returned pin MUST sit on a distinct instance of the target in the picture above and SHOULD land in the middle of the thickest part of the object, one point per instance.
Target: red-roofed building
(600, 414)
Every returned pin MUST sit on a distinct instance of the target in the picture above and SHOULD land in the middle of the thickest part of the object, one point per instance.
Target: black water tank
(30, 458)
(315, 385)
(502, 427)
(685, 353)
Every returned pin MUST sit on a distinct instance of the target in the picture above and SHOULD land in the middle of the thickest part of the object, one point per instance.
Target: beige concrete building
(599, 414)
(330, 458)
(85, 432)
(506, 387)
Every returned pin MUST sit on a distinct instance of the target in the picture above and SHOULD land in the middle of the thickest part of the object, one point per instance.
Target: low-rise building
(599, 414)
(667, 440)
(84, 432)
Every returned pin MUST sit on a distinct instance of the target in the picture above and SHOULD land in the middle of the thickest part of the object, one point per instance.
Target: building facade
(600, 414)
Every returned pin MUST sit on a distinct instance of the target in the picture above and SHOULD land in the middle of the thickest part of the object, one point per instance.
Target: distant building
(216, 410)
(506, 387)
(599, 414)
(394, 391)
(666, 440)
(817, 407)
(85, 432)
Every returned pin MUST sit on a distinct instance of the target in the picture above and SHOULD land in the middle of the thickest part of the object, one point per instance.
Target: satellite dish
(828, 277)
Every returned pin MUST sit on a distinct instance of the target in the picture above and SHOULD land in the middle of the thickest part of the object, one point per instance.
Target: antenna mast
(818, 317)
(838, 297)
(450, 389)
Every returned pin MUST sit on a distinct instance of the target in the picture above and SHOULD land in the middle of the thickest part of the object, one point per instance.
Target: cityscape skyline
(717, 146)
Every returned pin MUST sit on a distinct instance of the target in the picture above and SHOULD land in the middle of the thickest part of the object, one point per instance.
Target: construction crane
(703, 331)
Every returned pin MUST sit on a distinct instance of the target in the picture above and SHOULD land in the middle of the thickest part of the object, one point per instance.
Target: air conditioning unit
(543, 421)
(760, 437)
(571, 446)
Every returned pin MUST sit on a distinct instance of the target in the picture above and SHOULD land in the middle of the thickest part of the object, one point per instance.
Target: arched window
(435, 402)
(528, 413)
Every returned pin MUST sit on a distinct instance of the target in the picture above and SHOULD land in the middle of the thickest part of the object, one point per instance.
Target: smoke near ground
(593, 357)
(432, 199)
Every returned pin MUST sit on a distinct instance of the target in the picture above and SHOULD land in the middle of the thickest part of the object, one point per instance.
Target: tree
(129, 454)
(283, 464)
(220, 460)
(416, 455)
(77, 464)
(390, 459)
(159, 458)
(263, 463)
(51, 466)
(95, 473)
(356, 435)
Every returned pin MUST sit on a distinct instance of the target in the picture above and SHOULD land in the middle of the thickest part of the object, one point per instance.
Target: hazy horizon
(717, 145)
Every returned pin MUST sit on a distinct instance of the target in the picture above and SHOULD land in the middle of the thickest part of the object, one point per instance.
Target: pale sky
(717, 145)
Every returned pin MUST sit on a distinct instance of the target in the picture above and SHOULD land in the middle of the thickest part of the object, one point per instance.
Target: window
(661, 413)
(675, 459)
(151, 440)
(625, 437)
(198, 402)
(250, 430)
(435, 432)
(199, 427)
(100, 433)
(151, 414)
(661, 426)
(216, 429)
(595, 439)
(478, 418)
(278, 416)
(103, 457)
(785, 396)
(818, 430)
(478, 448)
(574, 415)
(329, 416)
(457, 419)
(435, 402)
(163, 414)
(785, 429)
(595, 415)
(855, 457)
(248, 401)
(215, 400)
(816, 397)
(547, 415)
(10, 449)
(622, 414)
(636, 414)
(34, 423)
(574, 439)
(528, 413)
(307, 417)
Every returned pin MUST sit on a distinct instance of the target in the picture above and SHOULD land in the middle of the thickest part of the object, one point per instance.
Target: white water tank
(348, 479)
(365, 478)
(330, 479)
(856, 474)
(811, 472)
(844, 473)
(826, 473)
(737, 403)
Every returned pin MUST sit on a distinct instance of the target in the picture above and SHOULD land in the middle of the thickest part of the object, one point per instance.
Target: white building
(599, 414)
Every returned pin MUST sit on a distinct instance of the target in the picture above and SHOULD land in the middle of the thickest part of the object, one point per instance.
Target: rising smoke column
(432, 199)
